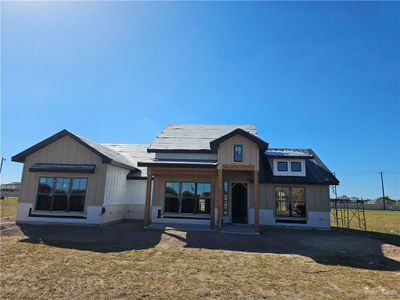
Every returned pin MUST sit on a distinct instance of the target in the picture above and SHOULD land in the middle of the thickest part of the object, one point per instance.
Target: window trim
(58, 213)
(291, 166)
(278, 217)
(179, 214)
(282, 162)
(234, 152)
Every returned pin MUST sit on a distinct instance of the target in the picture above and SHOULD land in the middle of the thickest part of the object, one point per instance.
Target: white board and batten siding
(123, 199)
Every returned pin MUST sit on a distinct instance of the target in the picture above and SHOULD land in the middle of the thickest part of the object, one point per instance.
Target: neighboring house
(192, 174)
(10, 189)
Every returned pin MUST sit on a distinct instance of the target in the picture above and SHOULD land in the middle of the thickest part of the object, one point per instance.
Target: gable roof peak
(107, 154)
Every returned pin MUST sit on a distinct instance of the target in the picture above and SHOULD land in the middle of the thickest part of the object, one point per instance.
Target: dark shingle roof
(316, 171)
(192, 137)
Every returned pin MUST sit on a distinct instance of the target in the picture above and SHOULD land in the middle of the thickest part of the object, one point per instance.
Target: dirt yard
(126, 261)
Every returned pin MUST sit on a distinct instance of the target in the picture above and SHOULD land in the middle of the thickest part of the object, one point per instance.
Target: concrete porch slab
(228, 228)
(179, 227)
(239, 229)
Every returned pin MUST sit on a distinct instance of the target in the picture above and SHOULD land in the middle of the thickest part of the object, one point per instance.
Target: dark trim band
(53, 216)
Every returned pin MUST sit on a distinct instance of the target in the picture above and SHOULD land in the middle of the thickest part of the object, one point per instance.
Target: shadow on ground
(337, 247)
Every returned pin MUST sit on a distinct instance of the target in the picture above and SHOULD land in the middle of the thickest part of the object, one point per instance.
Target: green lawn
(379, 221)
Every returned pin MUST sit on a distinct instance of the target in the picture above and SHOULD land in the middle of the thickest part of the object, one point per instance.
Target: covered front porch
(215, 196)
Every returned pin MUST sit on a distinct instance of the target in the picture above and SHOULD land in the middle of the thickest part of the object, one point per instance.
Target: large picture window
(290, 202)
(61, 194)
(187, 197)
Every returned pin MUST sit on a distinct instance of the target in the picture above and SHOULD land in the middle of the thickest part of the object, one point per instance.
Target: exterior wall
(317, 205)
(67, 151)
(317, 196)
(123, 199)
(107, 188)
(250, 152)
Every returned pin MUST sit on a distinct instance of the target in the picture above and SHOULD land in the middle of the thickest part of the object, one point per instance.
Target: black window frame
(300, 209)
(52, 193)
(297, 163)
(238, 159)
(282, 162)
(197, 197)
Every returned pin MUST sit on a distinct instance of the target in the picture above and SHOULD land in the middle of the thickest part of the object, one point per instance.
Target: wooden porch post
(256, 202)
(148, 198)
(220, 195)
(212, 203)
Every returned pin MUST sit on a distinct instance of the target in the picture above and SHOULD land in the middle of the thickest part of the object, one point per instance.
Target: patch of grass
(173, 272)
(8, 207)
(380, 221)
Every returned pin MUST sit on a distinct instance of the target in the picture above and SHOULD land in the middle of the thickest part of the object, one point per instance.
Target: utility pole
(383, 192)
(1, 164)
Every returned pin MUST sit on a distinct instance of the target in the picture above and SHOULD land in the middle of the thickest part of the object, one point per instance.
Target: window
(226, 199)
(61, 194)
(203, 196)
(238, 153)
(188, 202)
(172, 191)
(295, 166)
(290, 202)
(282, 166)
(187, 197)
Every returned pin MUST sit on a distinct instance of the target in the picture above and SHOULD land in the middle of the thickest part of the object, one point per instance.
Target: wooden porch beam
(176, 171)
(220, 196)
(256, 202)
(148, 198)
(237, 167)
(212, 202)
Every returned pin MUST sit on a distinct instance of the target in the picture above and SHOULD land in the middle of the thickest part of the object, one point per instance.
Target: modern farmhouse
(195, 174)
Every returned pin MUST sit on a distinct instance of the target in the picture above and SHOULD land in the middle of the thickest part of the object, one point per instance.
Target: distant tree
(387, 200)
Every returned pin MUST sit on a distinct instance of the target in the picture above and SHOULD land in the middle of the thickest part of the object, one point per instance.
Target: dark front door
(239, 203)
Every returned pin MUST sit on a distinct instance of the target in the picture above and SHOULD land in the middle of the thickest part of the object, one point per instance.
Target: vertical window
(290, 202)
(295, 166)
(44, 193)
(238, 153)
(203, 196)
(78, 194)
(188, 197)
(298, 202)
(282, 203)
(61, 194)
(282, 166)
(226, 198)
(172, 191)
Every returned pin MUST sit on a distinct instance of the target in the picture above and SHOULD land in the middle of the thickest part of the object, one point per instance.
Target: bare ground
(126, 261)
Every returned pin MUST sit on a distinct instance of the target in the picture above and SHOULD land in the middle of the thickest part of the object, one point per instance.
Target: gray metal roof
(133, 153)
(286, 152)
(193, 137)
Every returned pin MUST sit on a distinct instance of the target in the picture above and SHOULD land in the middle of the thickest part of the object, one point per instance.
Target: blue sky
(318, 75)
